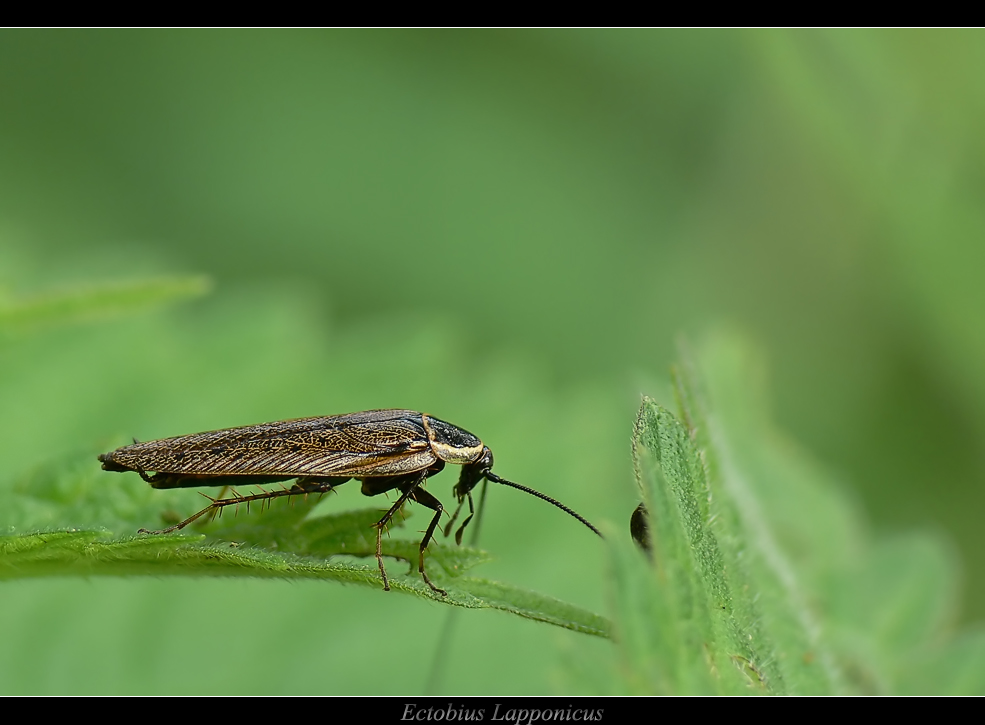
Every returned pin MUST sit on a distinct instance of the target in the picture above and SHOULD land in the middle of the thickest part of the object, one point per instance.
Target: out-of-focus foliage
(509, 230)
(763, 578)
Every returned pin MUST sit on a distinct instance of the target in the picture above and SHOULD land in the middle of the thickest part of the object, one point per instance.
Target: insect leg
(179, 480)
(406, 484)
(458, 534)
(375, 485)
(303, 487)
(426, 499)
(454, 516)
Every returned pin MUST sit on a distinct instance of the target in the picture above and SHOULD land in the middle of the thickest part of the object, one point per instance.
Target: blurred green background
(510, 230)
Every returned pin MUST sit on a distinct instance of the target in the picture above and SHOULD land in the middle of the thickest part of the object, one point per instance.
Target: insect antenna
(496, 479)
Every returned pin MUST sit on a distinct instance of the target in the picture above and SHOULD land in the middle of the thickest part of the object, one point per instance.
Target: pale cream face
(454, 454)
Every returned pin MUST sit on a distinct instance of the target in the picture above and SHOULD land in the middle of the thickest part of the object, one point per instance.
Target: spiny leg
(414, 482)
(426, 499)
(302, 488)
(184, 480)
(406, 483)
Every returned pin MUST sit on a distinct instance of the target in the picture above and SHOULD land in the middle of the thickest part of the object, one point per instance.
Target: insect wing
(372, 443)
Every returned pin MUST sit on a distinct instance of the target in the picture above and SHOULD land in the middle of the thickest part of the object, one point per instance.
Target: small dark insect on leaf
(639, 528)
(385, 450)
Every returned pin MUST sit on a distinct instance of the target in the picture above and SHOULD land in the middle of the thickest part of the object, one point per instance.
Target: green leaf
(288, 541)
(351, 533)
(98, 553)
(761, 577)
(94, 302)
(704, 617)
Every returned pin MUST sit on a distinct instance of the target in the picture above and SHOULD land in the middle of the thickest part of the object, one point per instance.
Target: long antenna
(493, 477)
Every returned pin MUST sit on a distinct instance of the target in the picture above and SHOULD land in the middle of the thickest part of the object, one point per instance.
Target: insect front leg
(470, 476)
(461, 529)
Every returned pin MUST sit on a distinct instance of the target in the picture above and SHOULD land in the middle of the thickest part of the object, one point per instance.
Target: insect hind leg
(179, 480)
(302, 487)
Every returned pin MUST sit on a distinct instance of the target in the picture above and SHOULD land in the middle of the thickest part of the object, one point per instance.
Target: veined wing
(371, 443)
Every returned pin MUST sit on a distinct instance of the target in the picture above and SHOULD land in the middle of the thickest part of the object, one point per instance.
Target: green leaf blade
(95, 302)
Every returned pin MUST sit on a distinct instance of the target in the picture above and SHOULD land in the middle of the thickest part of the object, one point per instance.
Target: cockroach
(384, 450)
